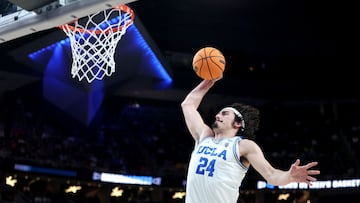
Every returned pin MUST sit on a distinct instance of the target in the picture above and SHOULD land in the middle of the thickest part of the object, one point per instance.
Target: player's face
(224, 119)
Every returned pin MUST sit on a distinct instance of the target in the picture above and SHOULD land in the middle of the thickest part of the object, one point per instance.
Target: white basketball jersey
(215, 172)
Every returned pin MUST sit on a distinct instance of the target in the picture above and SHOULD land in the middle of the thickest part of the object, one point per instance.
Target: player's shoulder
(248, 146)
(248, 143)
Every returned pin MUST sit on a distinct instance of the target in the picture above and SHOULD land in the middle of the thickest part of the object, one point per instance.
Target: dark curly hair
(251, 117)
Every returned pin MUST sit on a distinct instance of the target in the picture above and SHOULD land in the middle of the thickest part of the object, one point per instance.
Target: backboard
(35, 16)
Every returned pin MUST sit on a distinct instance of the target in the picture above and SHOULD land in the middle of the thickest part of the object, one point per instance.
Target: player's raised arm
(190, 105)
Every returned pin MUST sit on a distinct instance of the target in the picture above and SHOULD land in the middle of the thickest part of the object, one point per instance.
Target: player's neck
(222, 135)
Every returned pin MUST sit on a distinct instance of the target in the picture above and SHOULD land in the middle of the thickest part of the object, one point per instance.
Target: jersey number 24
(206, 166)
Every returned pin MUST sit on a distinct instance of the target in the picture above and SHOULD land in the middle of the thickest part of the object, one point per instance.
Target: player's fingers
(310, 178)
(313, 172)
(297, 162)
(312, 164)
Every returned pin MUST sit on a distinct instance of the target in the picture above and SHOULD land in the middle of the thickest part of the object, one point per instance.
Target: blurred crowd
(129, 140)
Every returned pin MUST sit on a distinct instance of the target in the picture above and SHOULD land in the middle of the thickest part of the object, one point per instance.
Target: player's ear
(236, 125)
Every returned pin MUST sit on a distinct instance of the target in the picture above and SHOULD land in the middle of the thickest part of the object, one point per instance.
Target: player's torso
(215, 167)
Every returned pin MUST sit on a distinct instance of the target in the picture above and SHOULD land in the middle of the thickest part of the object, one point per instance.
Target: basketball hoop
(94, 40)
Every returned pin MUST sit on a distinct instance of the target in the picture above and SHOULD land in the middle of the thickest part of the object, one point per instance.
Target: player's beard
(214, 125)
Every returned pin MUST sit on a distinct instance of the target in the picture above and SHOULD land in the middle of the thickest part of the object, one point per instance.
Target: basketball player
(224, 152)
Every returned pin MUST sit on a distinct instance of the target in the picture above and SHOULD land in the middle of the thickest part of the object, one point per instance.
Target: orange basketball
(209, 63)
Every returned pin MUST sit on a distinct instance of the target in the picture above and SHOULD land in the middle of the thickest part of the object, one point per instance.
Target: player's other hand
(303, 173)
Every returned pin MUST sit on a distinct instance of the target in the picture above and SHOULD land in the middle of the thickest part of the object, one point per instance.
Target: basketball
(209, 63)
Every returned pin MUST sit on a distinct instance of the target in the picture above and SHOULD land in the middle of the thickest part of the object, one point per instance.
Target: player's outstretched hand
(303, 173)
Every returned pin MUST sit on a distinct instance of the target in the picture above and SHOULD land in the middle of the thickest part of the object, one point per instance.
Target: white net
(94, 40)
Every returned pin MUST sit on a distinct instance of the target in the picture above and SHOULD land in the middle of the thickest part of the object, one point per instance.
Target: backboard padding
(31, 5)
(31, 23)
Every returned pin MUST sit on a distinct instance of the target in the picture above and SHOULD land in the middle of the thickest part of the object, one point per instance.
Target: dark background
(281, 56)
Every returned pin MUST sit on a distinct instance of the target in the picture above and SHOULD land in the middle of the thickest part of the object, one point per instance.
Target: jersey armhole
(237, 153)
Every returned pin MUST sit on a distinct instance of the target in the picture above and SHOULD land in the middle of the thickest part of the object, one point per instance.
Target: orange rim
(122, 7)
